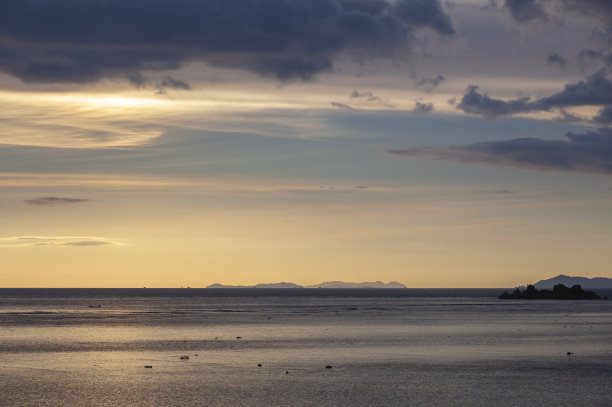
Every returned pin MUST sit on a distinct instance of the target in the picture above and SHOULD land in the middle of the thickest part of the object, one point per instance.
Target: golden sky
(409, 145)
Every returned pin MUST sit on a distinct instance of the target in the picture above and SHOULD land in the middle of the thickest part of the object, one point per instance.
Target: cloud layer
(589, 152)
(81, 41)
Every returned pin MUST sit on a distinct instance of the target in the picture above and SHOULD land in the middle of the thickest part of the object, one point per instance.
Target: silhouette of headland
(568, 281)
(559, 292)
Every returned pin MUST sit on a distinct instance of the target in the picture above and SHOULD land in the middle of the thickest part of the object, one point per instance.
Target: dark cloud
(527, 10)
(421, 108)
(80, 41)
(595, 90)
(589, 152)
(53, 200)
(367, 95)
(604, 116)
(589, 55)
(342, 106)
(556, 59)
(567, 117)
(592, 91)
(370, 97)
(601, 9)
(167, 82)
(429, 84)
(481, 104)
(423, 13)
(524, 10)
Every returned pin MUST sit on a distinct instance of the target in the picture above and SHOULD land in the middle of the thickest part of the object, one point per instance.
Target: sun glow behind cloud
(75, 121)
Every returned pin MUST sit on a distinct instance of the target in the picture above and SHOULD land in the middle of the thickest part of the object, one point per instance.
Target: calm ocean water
(385, 348)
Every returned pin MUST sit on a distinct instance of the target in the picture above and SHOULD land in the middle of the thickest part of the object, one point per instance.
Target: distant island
(587, 283)
(559, 292)
(327, 284)
(271, 285)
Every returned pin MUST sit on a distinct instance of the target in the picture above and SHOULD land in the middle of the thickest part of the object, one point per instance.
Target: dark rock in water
(286, 372)
(184, 357)
(148, 367)
(569, 353)
(328, 367)
(259, 365)
(559, 292)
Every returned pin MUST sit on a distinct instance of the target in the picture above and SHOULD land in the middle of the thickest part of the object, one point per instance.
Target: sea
(301, 347)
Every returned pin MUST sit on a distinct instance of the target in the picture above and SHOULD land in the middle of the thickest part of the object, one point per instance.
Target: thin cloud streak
(185, 184)
(56, 241)
(54, 200)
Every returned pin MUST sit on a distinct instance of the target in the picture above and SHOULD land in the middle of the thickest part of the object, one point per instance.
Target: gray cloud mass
(420, 108)
(589, 152)
(82, 41)
(557, 59)
(604, 116)
(367, 95)
(524, 10)
(595, 90)
(430, 83)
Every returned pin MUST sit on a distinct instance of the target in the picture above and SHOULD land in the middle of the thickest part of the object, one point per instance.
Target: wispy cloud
(54, 200)
(370, 97)
(174, 184)
(78, 120)
(58, 241)
(160, 85)
(430, 83)
(342, 106)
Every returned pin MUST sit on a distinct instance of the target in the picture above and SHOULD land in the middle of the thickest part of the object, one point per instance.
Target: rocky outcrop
(559, 292)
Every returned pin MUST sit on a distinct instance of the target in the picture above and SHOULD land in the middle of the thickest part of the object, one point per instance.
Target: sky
(175, 143)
